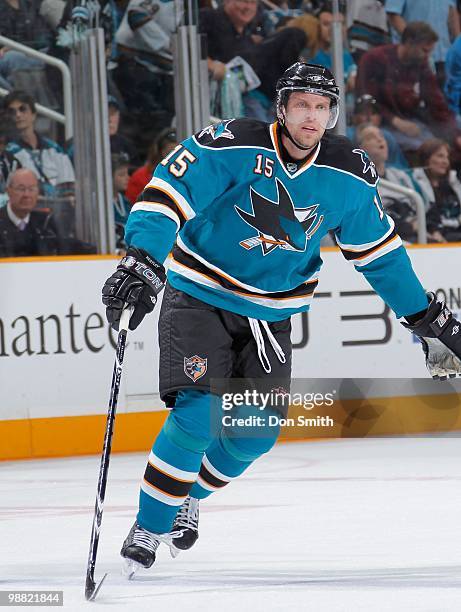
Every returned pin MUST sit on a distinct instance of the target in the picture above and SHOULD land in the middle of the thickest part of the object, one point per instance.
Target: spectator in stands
(164, 143)
(122, 205)
(233, 30)
(25, 231)
(8, 162)
(119, 145)
(323, 56)
(366, 26)
(443, 17)
(371, 139)
(20, 20)
(145, 61)
(399, 78)
(441, 190)
(43, 156)
(367, 112)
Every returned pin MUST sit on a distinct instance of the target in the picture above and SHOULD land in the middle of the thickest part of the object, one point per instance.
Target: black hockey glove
(137, 281)
(440, 335)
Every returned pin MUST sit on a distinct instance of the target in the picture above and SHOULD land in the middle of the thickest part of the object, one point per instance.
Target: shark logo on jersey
(279, 224)
(219, 130)
(368, 165)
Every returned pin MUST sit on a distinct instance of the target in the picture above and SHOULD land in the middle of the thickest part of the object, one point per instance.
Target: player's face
(306, 117)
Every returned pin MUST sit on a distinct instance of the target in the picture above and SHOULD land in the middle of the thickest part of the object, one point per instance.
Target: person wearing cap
(239, 211)
(122, 205)
(366, 111)
(119, 145)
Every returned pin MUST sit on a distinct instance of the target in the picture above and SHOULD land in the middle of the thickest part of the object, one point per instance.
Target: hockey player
(240, 209)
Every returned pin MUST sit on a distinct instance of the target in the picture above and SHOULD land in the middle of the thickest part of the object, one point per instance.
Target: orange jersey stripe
(380, 246)
(255, 295)
(171, 197)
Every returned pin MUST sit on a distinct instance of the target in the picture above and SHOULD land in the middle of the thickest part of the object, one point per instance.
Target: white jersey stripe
(395, 243)
(162, 497)
(170, 469)
(368, 245)
(160, 208)
(281, 303)
(179, 199)
(206, 263)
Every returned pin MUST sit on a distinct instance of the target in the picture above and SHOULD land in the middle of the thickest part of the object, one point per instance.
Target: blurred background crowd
(402, 78)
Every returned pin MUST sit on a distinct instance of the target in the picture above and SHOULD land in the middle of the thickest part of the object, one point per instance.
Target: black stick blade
(91, 590)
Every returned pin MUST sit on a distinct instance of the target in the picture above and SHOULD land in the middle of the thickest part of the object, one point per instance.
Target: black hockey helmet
(312, 79)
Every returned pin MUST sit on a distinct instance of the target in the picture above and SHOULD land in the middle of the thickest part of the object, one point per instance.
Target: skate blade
(174, 552)
(130, 568)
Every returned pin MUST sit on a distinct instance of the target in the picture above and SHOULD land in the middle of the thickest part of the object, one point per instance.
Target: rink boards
(56, 357)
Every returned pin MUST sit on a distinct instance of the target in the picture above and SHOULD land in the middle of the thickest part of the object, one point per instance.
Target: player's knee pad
(189, 424)
(256, 436)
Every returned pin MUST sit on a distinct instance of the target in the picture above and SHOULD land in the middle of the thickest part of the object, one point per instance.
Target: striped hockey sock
(174, 461)
(165, 486)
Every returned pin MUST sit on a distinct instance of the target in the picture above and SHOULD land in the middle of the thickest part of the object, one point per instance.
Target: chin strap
(290, 137)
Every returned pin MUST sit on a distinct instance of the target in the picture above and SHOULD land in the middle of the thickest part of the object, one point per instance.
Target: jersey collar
(277, 146)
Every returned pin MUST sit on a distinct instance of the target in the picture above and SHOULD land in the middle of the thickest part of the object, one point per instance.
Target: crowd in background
(402, 78)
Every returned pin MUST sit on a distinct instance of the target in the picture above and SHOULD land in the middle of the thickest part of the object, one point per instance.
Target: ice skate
(139, 550)
(184, 533)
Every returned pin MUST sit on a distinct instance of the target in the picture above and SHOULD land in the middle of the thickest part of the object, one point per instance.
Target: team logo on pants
(195, 367)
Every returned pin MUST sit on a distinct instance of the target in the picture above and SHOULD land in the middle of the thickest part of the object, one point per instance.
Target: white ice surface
(348, 525)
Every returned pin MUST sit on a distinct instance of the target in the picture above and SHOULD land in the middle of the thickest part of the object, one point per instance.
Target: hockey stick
(91, 590)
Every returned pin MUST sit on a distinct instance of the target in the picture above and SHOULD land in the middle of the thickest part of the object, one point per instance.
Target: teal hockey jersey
(242, 230)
